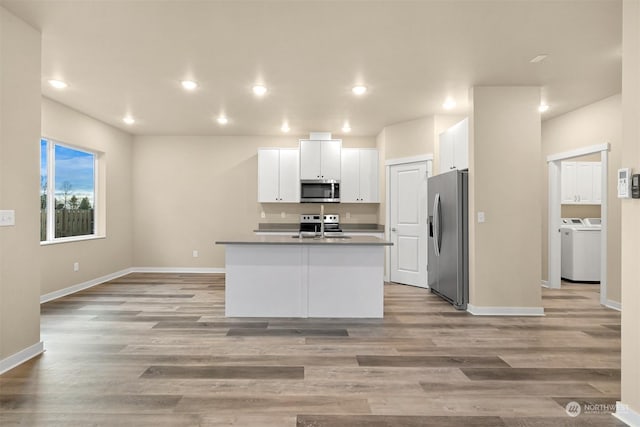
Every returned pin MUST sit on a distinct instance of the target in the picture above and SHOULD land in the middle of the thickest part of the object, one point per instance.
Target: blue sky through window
(73, 166)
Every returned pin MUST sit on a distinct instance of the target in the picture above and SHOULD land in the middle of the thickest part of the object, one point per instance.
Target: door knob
(393, 229)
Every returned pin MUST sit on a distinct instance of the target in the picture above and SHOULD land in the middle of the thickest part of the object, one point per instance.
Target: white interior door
(408, 223)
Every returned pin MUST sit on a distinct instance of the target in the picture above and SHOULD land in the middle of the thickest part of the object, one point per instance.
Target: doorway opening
(555, 226)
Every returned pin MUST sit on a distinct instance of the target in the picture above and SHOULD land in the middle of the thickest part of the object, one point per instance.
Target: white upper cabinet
(568, 183)
(597, 182)
(581, 183)
(359, 181)
(278, 176)
(320, 159)
(454, 147)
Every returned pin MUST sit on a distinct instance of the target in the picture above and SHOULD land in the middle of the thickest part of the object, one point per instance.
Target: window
(67, 193)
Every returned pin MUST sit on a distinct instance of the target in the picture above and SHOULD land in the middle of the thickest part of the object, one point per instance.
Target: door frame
(426, 158)
(554, 212)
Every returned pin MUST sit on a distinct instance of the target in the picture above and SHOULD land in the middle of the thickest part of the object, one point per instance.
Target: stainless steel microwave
(320, 191)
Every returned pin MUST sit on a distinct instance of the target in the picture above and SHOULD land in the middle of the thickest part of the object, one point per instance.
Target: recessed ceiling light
(259, 90)
(543, 107)
(449, 104)
(538, 58)
(58, 84)
(128, 120)
(346, 128)
(285, 127)
(189, 84)
(222, 120)
(359, 90)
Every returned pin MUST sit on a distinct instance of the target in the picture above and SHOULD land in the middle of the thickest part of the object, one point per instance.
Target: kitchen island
(281, 276)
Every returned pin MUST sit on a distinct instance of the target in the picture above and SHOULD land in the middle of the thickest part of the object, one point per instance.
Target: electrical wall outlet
(283, 214)
(7, 218)
(481, 218)
(263, 215)
(195, 254)
(76, 266)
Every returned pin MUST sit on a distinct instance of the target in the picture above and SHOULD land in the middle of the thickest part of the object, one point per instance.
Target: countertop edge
(315, 242)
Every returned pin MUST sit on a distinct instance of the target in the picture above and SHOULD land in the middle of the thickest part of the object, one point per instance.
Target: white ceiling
(128, 57)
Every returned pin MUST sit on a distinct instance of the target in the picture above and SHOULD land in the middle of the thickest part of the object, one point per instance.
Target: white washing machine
(580, 260)
(593, 222)
(571, 222)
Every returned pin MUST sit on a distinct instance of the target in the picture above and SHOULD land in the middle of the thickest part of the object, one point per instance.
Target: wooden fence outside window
(68, 222)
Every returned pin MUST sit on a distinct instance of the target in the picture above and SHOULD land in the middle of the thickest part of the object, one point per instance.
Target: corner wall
(98, 257)
(595, 124)
(504, 256)
(19, 184)
(630, 212)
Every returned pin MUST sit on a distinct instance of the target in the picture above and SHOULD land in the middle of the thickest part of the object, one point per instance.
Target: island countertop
(288, 240)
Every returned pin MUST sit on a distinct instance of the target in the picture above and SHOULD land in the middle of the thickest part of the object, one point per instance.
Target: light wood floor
(156, 350)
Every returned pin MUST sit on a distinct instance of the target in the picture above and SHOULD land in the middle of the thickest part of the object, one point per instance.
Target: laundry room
(581, 197)
(581, 215)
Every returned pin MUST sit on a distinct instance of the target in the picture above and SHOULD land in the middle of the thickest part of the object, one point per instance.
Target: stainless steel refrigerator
(448, 242)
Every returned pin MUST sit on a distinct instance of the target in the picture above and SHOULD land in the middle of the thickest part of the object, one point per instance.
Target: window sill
(72, 239)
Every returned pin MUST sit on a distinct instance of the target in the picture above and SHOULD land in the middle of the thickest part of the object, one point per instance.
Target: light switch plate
(7, 218)
(480, 217)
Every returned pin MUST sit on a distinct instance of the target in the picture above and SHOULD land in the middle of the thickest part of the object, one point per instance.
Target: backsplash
(350, 213)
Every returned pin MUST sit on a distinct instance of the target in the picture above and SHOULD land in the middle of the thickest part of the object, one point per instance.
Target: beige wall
(192, 191)
(595, 124)
(101, 256)
(504, 124)
(630, 209)
(19, 184)
(411, 138)
(568, 211)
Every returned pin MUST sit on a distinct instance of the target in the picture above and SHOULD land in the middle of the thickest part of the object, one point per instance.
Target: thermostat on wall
(624, 183)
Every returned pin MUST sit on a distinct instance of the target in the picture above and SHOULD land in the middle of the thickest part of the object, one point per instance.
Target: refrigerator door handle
(436, 224)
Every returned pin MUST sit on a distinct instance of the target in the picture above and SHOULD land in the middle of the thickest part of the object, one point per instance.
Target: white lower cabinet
(359, 180)
(278, 175)
(581, 183)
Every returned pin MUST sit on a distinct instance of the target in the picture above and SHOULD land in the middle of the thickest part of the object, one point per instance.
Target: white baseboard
(21, 357)
(544, 283)
(505, 311)
(627, 415)
(176, 270)
(614, 305)
(81, 286)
